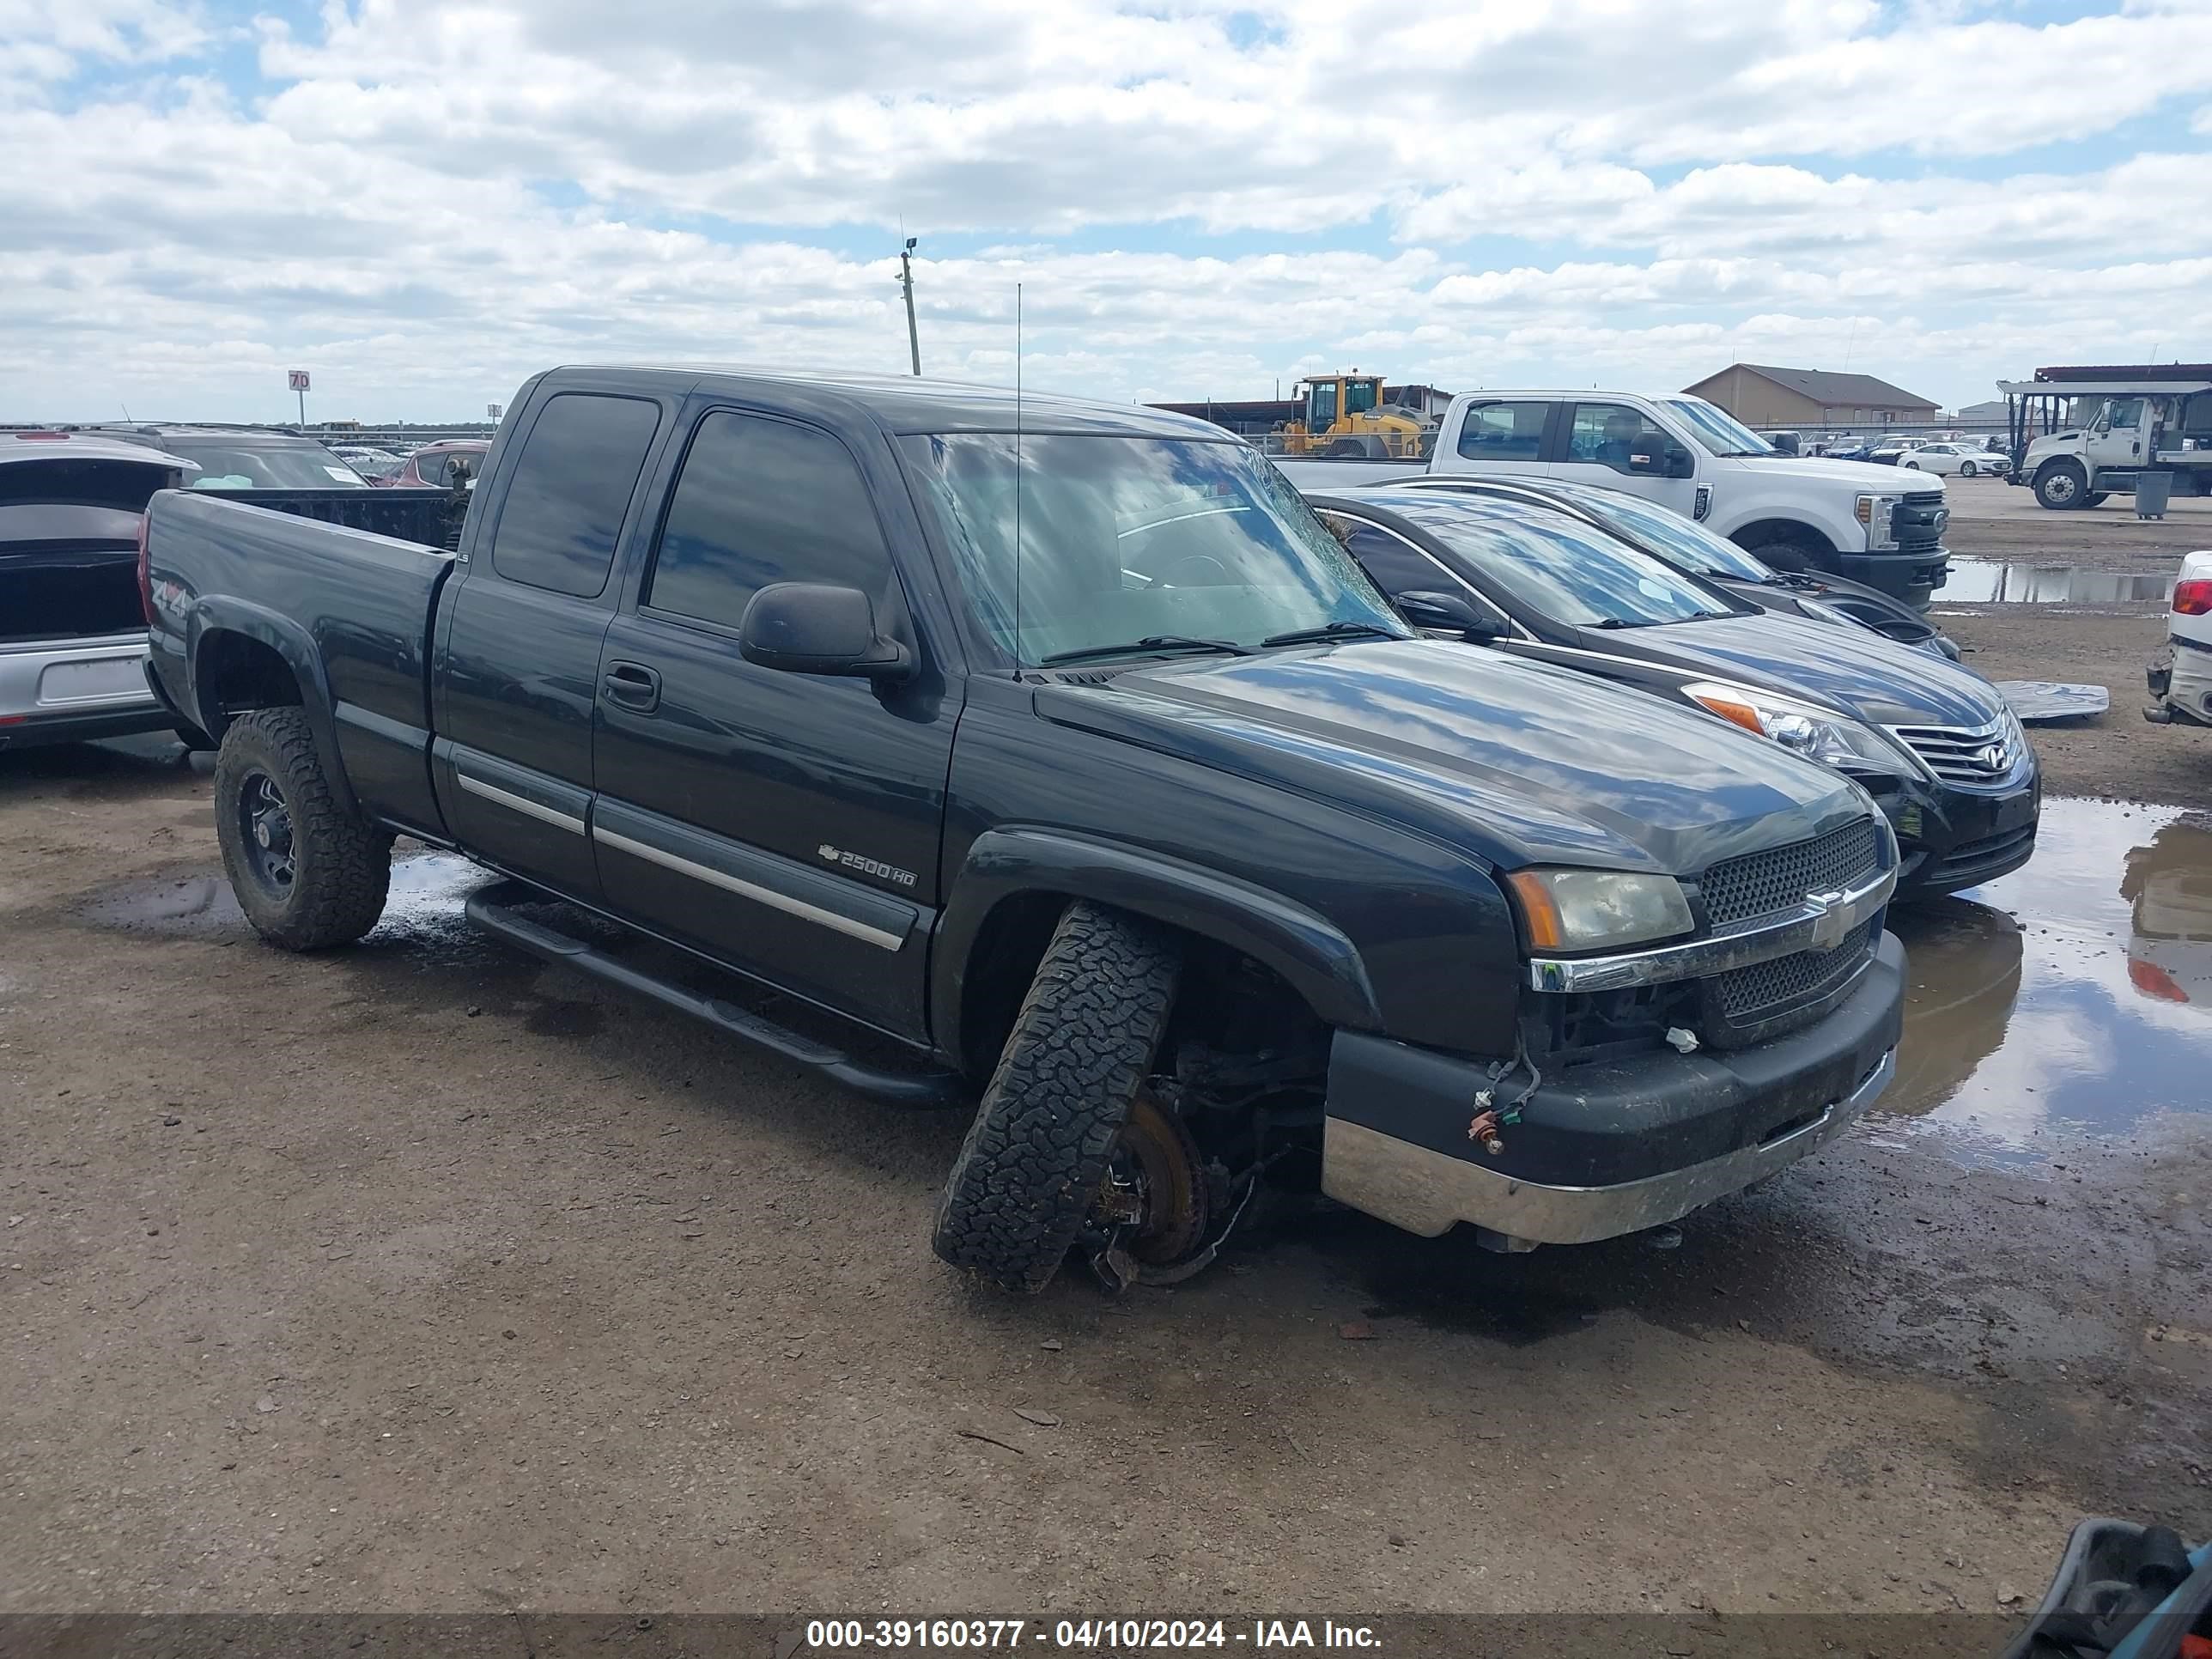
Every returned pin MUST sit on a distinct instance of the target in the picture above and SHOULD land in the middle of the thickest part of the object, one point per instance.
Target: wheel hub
(265, 822)
(1154, 1195)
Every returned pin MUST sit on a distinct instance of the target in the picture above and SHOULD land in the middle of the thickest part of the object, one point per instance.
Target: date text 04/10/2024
(1084, 1635)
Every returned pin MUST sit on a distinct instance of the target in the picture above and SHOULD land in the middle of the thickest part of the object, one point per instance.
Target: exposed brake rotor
(1154, 1198)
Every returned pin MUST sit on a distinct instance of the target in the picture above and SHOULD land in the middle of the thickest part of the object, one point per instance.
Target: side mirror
(1449, 612)
(814, 628)
(1678, 464)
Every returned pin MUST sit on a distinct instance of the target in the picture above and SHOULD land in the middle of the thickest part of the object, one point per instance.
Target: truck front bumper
(73, 690)
(1912, 575)
(1609, 1148)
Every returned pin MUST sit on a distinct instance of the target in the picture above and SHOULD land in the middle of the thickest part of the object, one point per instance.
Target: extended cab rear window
(570, 487)
(761, 501)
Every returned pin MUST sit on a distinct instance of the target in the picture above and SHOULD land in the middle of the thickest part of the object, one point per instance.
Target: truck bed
(411, 515)
(350, 611)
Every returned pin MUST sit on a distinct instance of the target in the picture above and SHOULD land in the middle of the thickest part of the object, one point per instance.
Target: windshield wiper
(1334, 630)
(1150, 642)
(1624, 622)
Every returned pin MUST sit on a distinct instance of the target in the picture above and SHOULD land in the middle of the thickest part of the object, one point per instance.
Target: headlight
(1874, 512)
(1590, 909)
(1804, 728)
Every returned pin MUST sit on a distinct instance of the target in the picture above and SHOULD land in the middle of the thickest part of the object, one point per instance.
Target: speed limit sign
(297, 379)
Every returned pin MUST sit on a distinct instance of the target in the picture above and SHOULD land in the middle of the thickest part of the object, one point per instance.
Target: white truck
(2100, 436)
(1871, 524)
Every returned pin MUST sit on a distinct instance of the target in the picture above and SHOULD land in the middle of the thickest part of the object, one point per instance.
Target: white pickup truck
(1871, 524)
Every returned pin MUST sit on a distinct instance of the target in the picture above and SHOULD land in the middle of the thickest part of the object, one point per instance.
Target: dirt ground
(421, 1276)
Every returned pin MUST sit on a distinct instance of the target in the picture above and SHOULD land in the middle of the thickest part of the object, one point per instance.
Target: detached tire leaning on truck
(307, 874)
(1035, 1158)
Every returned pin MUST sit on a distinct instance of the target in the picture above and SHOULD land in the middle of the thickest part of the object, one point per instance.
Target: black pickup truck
(1057, 748)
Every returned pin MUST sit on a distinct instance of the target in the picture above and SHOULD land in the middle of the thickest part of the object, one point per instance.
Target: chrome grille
(1760, 884)
(1767, 987)
(1967, 753)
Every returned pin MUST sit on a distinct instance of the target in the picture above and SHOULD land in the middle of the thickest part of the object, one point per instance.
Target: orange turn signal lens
(1539, 910)
(1739, 714)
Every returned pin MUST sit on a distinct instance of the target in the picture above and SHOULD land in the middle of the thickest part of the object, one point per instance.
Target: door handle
(633, 685)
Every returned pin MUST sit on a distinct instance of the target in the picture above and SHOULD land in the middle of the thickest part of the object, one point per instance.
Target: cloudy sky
(422, 201)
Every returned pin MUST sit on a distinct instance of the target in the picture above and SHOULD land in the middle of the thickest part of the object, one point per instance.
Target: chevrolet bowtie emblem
(1830, 922)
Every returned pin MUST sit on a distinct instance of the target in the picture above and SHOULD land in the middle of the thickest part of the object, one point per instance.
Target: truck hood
(1855, 476)
(1512, 761)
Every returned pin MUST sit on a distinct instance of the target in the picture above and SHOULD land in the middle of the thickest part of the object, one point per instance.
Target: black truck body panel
(347, 611)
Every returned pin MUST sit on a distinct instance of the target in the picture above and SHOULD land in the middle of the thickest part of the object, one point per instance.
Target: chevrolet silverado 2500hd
(1059, 746)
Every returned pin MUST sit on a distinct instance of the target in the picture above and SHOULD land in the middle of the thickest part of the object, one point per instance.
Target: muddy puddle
(2071, 997)
(1990, 581)
(423, 913)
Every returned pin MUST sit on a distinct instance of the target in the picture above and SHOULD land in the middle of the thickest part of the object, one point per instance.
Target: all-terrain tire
(341, 867)
(1037, 1151)
(2096, 498)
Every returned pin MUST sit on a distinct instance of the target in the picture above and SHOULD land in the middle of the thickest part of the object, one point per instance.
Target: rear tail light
(2193, 599)
(145, 571)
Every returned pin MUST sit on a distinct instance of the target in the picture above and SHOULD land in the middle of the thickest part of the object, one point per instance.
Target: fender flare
(221, 614)
(1312, 955)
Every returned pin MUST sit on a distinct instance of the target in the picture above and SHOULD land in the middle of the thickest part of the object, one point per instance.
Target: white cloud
(427, 202)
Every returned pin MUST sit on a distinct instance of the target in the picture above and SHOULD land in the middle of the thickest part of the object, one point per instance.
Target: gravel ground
(421, 1276)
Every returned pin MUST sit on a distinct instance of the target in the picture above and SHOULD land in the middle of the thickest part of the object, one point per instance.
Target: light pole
(906, 281)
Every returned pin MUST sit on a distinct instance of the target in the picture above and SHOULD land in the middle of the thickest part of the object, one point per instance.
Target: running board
(920, 1088)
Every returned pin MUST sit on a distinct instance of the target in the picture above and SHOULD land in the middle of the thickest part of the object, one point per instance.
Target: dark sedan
(1692, 547)
(1932, 742)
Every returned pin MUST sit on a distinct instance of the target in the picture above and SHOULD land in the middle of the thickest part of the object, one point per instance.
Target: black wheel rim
(265, 833)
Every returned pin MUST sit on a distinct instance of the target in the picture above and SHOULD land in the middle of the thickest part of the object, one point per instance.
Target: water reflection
(2073, 997)
(1988, 581)
(2168, 887)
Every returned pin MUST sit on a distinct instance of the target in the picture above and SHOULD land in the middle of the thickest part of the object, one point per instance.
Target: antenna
(1017, 480)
